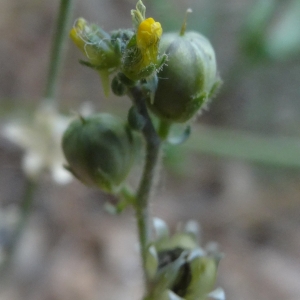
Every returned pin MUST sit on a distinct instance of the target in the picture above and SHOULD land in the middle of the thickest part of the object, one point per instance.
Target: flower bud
(118, 88)
(100, 150)
(141, 58)
(96, 44)
(101, 49)
(189, 78)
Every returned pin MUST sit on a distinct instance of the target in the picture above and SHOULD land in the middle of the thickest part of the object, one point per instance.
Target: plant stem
(146, 183)
(127, 194)
(58, 46)
(56, 56)
(126, 198)
(164, 129)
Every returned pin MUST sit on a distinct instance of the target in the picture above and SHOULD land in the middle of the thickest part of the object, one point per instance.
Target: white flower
(41, 140)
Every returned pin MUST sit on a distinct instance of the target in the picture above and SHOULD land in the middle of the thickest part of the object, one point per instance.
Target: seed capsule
(100, 150)
(187, 80)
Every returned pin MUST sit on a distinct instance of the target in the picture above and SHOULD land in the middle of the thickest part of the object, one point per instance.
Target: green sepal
(126, 198)
(167, 275)
(138, 15)
(151, 262)
(203, 277)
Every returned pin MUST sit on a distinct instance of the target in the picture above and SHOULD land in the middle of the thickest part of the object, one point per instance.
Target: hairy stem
(146, 183)
(58, 46)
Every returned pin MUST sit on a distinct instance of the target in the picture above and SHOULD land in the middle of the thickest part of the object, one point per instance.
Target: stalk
(146, 184)
(58, 47)
(55, 64)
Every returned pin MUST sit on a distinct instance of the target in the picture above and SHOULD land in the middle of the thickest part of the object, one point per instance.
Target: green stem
(58, 46)
(126, 198)
(146, 183)
(127, 194)
(164, 129)
(59, 41)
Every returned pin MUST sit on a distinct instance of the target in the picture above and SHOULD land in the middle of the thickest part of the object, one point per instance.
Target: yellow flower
(135, 53)
(141, 58)
(148, 34)
(147, 38)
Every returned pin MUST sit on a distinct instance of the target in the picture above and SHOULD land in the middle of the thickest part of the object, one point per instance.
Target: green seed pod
(187, 80)
(100, 150)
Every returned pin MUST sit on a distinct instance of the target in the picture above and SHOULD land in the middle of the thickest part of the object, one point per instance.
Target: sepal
(138, 14)
(185, 270)
(151, 262)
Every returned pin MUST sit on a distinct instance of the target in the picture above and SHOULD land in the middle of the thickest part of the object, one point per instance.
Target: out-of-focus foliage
(258, 52)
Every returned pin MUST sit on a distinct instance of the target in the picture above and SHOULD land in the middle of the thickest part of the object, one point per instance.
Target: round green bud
(118, 88)
(187, 80)
(100, 150)
(135, 120)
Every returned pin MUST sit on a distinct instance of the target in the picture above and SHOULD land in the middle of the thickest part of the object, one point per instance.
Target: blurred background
(238, 174)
